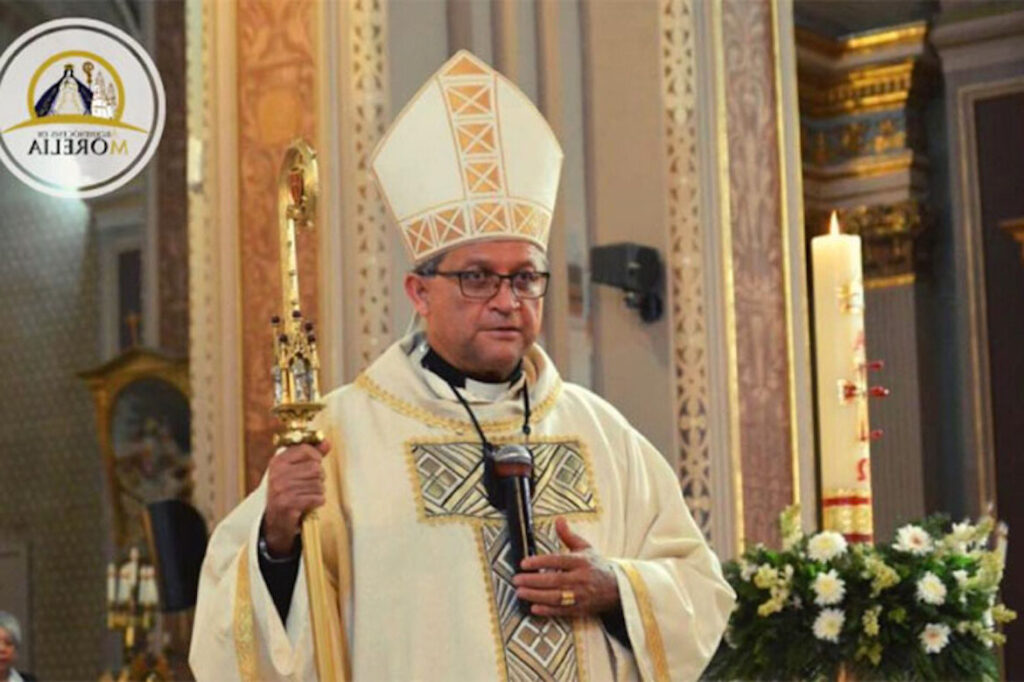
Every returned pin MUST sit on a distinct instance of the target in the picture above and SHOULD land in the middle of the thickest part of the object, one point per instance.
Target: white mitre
(469, 158)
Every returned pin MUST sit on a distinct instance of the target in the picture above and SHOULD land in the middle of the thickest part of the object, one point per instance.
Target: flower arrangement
(921, 607)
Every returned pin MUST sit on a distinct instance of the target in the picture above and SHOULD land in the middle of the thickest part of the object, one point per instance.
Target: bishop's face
(483, 337)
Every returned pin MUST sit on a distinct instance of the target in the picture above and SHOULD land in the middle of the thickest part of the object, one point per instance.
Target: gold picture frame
(143, 424)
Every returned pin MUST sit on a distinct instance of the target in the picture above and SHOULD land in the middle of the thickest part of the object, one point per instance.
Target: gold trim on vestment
(244, 627)
(652, 633)
(403, 407)
(581, 652)
(492, 611)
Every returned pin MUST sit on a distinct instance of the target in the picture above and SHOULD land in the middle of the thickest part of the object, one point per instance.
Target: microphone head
(513, 460)
(513, 454)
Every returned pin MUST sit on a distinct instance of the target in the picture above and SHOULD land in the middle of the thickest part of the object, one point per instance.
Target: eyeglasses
(485, 284)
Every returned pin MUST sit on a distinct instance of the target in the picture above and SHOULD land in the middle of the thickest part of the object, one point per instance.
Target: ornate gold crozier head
(296, 368)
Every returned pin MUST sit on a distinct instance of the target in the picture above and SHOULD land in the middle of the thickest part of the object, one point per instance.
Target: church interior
(706, 145)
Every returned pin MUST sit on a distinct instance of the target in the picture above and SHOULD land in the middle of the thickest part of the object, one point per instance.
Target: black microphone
(513, 471)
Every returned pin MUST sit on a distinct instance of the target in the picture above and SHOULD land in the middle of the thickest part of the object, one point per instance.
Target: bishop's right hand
(295, 484)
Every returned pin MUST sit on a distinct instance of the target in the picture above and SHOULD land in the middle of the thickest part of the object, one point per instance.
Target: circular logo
(81, 108)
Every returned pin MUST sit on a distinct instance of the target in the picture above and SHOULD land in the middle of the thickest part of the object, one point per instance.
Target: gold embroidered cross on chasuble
(449, 485)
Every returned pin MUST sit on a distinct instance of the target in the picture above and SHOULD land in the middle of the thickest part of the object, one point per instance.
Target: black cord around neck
(488, 447)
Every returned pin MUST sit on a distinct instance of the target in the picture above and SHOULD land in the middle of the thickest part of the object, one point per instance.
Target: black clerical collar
(455, 376)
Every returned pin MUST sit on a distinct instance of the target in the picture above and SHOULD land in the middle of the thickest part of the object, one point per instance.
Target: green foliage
(920, 607)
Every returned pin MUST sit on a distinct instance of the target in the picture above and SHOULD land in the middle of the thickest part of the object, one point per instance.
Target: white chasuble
(426, 593)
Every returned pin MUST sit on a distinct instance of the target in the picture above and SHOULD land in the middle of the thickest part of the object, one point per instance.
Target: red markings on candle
(846, 501)
(862, 470)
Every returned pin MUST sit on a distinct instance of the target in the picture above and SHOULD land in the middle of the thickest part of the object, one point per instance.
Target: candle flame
(833, 224)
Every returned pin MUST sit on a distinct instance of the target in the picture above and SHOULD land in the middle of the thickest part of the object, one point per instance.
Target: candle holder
(132, 601)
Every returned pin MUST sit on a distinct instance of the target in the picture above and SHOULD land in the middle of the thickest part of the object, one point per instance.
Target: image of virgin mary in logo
(81, 108)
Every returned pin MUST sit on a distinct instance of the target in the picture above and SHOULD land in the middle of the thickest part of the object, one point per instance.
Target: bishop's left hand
(581, 573)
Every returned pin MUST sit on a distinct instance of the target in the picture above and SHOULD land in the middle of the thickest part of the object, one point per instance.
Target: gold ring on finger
(568, 598)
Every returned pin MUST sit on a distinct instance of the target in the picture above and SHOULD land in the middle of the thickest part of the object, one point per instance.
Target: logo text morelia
(77, 146)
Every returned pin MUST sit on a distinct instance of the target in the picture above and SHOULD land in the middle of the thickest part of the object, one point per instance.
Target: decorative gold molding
(866, 140)
(685, 262)
(904, 35)
(840, 150)
(867, 167)
(366, 113)
(1015, 227)
(863, 73)
(857, 91)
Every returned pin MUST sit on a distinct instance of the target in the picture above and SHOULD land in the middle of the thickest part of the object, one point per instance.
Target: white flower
(913, 540)
(961, 535)
(987, 619)
(747, 570)
(826, 545)
(829, 588)
(931, 590)
(829, 624)
(935, 637)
